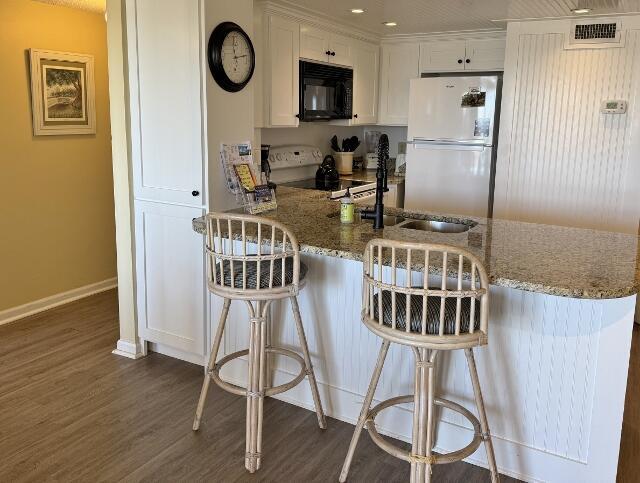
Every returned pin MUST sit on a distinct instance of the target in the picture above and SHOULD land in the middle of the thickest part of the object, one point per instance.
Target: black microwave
(326, 92)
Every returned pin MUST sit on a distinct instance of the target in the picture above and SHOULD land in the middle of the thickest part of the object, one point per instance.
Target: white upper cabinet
(322, 46)
(282, 75)
(165, 76)
(341, 50)
(485, 54)
(314, 43)
(365, 83)
(444, 56)
(399, 64)
(462, 55)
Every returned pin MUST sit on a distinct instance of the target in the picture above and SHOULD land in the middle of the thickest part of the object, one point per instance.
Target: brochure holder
(244, 179)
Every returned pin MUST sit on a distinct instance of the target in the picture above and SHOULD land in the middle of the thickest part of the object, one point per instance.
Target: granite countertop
(555, 260)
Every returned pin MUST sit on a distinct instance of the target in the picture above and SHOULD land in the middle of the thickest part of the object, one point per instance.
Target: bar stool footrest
(433, 459)
(270, 391)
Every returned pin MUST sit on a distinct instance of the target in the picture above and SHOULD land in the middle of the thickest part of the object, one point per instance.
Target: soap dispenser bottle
(346, 208)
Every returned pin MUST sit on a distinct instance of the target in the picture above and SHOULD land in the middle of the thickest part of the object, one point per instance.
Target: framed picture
(62, 93)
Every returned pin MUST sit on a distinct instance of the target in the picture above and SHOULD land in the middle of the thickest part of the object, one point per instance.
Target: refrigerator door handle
(450, 142)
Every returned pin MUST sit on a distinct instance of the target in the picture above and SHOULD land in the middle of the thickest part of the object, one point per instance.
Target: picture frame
(62, 93)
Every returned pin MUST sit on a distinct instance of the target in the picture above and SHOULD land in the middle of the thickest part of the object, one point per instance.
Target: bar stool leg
(366, 406)
(423, 415)
(255, 389)
(484, 424)
(268, 366)
(212, 363)
(322, 422)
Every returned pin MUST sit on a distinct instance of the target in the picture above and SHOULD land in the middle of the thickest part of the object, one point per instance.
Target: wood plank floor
(72, 411)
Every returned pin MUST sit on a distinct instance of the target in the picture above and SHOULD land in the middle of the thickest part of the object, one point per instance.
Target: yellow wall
(57, 228)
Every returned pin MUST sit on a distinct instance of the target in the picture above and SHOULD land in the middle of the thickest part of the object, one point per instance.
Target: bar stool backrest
(250, 257)
(444, 272)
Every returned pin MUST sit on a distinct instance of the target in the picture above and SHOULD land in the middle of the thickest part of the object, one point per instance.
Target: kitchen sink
(437, 226)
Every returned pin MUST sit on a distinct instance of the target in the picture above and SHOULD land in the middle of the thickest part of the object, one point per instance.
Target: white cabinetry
(166, 72)
(486, 54)
(169, 272)
(462, 55)
(166, 99)
(399, 64)
(282, 72)
(366, 62)
(323, 46)
(442, 56)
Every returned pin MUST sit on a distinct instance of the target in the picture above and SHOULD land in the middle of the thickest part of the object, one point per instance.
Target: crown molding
(312, 17)
(453, 35)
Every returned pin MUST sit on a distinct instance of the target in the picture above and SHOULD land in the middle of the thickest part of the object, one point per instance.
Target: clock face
(237, 57)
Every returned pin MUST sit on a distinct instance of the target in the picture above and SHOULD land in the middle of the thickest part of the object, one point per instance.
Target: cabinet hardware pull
(195, 193)
(459, 61)
(356, 116)
(333, 53)
(328, 52)
(468, 61)
(298, 116)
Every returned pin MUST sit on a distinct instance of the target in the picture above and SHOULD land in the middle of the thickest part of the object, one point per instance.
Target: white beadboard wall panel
(554, 391)
(561, 161)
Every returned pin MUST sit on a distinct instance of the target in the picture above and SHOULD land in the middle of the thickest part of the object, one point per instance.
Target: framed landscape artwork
(62, 93)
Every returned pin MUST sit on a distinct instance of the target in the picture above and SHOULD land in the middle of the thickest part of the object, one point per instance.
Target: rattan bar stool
(258, 261)
(453, 315)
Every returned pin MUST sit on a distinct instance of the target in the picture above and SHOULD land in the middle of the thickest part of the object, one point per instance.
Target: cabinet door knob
(333, 53)
(328, 52)
(468, 61)
(356, 116)
(195, 193)
(298, 116)
(459, 61)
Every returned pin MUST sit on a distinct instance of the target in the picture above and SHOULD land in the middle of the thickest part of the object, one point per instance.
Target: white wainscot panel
(553, 374)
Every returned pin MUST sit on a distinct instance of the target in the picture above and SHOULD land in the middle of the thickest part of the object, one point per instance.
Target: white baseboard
(31, 308)
(130, 350)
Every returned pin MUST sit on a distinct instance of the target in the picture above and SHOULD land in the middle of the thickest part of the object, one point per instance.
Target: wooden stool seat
(250, 282)
(428, 319)
(257, 261)
(433, 313)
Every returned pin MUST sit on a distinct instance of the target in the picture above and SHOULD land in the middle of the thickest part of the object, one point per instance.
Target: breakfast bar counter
(560, 325)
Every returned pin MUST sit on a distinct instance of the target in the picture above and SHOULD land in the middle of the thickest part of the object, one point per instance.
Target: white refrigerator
(451, 149)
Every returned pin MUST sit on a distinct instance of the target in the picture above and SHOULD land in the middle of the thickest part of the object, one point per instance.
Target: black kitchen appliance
(326, 92)
(265, 167)
(327, 177)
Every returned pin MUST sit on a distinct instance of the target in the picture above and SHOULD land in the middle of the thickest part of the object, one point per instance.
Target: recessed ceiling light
(580, 11)
(357, 10)
(389, 24)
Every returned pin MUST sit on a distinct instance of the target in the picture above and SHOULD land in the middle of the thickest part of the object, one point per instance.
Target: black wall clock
(231, 57)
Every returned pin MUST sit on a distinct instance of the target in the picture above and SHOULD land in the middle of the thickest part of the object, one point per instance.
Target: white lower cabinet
(170, 277)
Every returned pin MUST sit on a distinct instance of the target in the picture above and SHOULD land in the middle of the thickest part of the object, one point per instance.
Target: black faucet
(377, 213)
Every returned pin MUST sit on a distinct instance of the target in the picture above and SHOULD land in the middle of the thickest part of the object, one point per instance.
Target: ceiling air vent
(594, 35)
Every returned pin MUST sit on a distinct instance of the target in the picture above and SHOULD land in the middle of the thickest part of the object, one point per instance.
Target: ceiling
(96, 6)
(426, 16)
